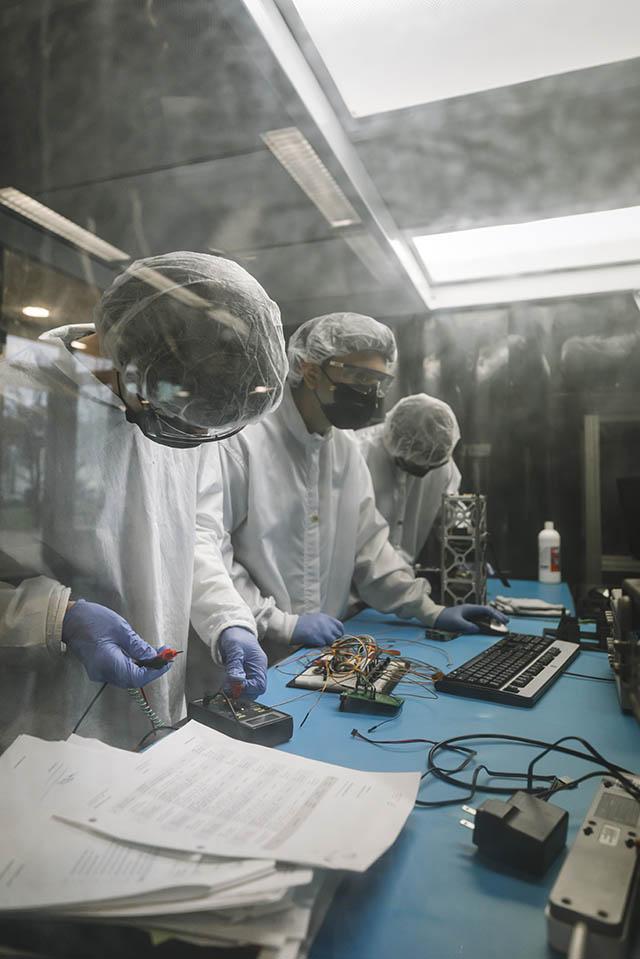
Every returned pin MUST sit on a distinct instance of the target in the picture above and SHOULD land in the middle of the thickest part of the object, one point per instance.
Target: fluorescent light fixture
(78, 345)
(579, 242)
(282, 43)
(53, 222)
(385, 55)
(292, 149)
(36, 311)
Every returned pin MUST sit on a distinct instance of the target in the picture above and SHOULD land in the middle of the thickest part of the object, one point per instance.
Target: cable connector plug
(523, 832)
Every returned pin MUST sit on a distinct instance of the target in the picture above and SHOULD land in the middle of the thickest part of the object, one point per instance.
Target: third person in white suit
(410, 458)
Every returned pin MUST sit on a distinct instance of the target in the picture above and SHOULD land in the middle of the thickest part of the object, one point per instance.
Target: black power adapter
(523, 832)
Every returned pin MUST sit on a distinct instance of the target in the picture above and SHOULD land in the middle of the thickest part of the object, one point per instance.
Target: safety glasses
(360, 378)
(167, 430)
(173, 432)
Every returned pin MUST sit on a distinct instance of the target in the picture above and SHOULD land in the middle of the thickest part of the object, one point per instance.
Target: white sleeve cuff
(431, 614)
(56, 612)
(213, 638)
(280, 626)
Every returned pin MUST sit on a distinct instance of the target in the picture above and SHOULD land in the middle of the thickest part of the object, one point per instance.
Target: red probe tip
(160, 660)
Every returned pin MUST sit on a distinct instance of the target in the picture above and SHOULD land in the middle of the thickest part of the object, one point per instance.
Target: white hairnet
(422, 430)
(338, 334)
(197, 337)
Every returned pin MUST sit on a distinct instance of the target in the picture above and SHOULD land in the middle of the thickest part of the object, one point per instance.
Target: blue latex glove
(244, 661)
(316, 629)
(460, 619)
(107, 646)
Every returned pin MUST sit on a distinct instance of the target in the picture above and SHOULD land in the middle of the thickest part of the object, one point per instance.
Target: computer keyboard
(516, 670)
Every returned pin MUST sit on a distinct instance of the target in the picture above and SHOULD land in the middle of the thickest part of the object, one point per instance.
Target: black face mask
(351, 409)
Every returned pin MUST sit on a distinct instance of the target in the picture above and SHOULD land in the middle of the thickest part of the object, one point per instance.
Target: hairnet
(338, 334)
(422, 430)
(197, 337)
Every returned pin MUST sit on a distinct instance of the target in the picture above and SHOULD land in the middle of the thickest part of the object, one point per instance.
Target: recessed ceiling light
(576, 242)
(53, 222)
(36, 311)
(292, 149)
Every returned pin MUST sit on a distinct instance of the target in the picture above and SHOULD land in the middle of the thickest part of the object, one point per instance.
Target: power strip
(592, 906)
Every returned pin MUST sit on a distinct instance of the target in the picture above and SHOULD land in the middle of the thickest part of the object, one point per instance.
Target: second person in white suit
(299, 505)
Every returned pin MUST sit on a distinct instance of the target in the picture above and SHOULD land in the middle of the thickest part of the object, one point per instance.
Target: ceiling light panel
(563, 243)
(385, 55)
(292, 149)
(53, 222)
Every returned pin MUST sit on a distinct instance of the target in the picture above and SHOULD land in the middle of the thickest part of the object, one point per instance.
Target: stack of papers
(202, 837)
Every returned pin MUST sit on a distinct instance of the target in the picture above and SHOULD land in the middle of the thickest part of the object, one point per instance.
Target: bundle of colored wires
(350, 662)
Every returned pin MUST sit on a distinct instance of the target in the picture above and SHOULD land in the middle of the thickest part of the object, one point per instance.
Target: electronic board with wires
(336, 673)
(363, 672)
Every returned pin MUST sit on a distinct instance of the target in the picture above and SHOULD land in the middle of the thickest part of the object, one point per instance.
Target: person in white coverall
(298, 498)
(410, 460)
(108, 504)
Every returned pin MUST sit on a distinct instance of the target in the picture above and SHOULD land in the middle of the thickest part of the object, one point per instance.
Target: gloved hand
(107, 646)
(460, 619)
(244, 661)
(316, 629)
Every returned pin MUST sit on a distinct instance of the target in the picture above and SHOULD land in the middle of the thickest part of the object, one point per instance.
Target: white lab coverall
(410, 504)
(300, 513)
(113, 518)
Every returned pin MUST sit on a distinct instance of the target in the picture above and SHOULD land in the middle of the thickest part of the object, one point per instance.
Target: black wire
(390, 719)
(612, 769)
(440, 803)
(156, 729)
(77, 725)
(597, 679)
(395, 742)
(446, 744)
(446, 775)
(560, 786)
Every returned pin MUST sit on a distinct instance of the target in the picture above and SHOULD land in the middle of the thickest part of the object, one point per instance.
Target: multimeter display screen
(256, 721)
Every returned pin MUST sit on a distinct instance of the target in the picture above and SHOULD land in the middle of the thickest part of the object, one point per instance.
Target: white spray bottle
(549, 554)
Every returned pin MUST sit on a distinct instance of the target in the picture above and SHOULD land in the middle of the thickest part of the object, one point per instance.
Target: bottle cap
(548, 524)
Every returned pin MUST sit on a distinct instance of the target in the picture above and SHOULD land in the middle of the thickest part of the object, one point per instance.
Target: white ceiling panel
(561, 243)
(388, 54)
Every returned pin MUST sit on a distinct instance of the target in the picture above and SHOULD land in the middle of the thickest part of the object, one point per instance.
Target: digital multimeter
(251, 722)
